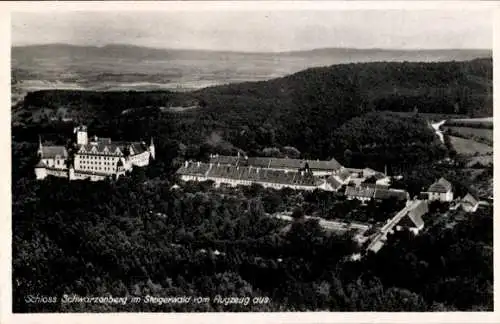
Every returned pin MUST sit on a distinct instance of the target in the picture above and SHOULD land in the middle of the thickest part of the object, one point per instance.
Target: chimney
(198, 163)
(186, 164)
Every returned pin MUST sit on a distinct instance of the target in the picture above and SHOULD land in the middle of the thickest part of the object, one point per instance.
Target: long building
(317, 167)
(93, 159)
(227, 174)
(368, 192)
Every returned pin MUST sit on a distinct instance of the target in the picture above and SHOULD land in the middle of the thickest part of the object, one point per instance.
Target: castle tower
(81, 135)
(40, 148)
(152, 148)
(40, 171)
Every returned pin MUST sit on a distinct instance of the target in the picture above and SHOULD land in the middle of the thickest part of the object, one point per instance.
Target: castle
(94, 159)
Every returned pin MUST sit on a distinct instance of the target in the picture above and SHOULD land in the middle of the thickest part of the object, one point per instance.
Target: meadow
(470, 147)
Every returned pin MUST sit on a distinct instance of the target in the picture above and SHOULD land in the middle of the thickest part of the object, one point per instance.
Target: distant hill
(343, 54)
(127, 67)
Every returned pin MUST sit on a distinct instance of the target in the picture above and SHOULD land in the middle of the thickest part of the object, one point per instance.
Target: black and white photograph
(241, 159)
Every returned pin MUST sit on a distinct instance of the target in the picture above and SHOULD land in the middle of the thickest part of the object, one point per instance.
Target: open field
(474, 120)
(484, 160)
(123, 67)
(486, 122)
(469, 147)
(472, 133)
(429, 116)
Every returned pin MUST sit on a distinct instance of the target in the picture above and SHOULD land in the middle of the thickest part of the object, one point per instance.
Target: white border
(323, 317)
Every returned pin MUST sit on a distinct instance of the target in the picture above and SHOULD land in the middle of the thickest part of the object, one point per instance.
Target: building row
(362, 184)
(302, 174)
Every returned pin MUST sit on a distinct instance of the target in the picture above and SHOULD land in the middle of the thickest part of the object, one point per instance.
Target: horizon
(274, 31)
(253, 52)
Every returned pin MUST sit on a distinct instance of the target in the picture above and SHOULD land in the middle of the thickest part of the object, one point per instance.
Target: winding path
(436, 127)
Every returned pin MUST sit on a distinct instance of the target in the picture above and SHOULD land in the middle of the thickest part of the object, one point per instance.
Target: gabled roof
(382, 193)
(334, 182)
(51, 152)
(412, 220)
(40, 164)
(440, 186)
(469, 199)
(419, 209)
(413, 217)
(114, 148)
(379, 175)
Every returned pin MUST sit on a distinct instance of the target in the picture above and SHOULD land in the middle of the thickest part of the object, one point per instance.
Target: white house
(440, 190)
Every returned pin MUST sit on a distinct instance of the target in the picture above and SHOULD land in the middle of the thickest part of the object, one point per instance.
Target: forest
(138, 236)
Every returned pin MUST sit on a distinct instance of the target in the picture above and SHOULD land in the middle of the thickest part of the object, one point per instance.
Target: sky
(260, 31)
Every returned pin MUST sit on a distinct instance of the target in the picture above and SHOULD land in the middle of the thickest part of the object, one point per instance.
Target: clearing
(470, 147)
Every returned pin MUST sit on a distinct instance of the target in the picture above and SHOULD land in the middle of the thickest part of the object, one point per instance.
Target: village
(363, 185)
(90, 160)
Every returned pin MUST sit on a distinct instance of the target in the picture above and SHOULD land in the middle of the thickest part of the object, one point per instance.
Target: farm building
(441, 190)
(469, 203)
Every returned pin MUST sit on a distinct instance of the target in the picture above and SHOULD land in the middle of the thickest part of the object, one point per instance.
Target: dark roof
(40, 164)
(440, 186)
(54, 152)
(92, 173)
(332, 181)
(276, 163)
(104, 148)
(250, 173)
(382, 193)
(374, 185)
(413, 217)
(410, 220)
(379, 175)
(138, 147)
(194, 169)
